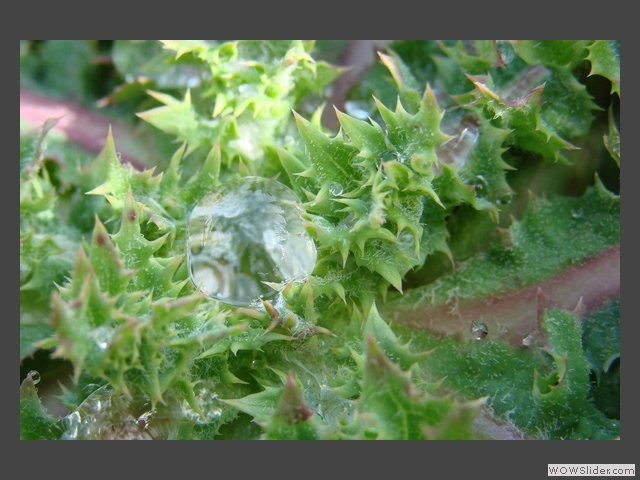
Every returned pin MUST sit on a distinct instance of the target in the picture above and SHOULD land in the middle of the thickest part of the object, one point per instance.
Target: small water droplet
(102, 335)
(479, 330)
(35, 376)
(336, 189)
(246, 235)
(528, 340)
(481, 182)
(505, 199)
(406, 239)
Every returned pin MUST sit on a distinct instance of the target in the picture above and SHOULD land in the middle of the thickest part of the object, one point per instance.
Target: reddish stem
(82, 126)
(511, 315)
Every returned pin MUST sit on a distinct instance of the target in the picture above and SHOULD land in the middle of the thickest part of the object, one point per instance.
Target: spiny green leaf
(416, 135)
(400, 410)
(612, 140)
(31, 334)
(384, 336)
(522, 117)
(331, 159)
(170, 178)
(483, 54)
(292, 418)
(604, 56)
(406, 82)
(181, 47)
(564, 393)
(107, 261)
(568, 106)
(568, 383)
(179, 118)
(485, 169)
(259, 405)
(367, 137)
(555, 53)
(36, 423)
(136, 249)
(84, 287)
(206, 180)
(601, 337)
(44, 261)
(32, 147)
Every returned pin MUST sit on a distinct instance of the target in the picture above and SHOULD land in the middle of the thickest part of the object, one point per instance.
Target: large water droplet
(106, 415)
(246, 239)
(207, 399)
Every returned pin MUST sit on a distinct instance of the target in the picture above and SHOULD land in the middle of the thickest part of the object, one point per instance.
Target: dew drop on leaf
(528, 340)
(479, 330)
(406, 239)
(35, 376)
(246, 239)
(107, 415)
(336, 189)
(481, 182)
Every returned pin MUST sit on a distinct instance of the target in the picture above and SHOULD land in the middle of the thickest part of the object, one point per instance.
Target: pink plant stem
(511, 315)
(85, 128)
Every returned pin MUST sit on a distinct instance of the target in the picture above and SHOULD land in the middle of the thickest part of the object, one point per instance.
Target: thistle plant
(466, 237)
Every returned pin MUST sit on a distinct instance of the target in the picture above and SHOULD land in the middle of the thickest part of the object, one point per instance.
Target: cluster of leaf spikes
(525, 98)
(124, 312)
(55, 215)
(329, 388)
(247, 91)
(532, 90)
(377, 200)
(377, 197)
(123, 315)
(43, 244)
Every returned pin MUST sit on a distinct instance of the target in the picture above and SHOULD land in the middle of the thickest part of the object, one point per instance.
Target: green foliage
(543, 390)
(417, 212)
(35, 422)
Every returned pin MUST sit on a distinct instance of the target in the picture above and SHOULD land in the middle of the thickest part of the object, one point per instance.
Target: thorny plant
(462, 197)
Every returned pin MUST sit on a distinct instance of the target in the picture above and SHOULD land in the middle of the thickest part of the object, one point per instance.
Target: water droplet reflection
(247, 234)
